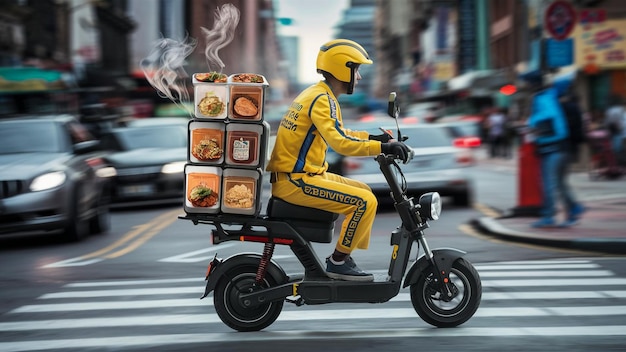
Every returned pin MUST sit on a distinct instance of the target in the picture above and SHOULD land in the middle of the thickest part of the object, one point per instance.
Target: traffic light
(508, 89)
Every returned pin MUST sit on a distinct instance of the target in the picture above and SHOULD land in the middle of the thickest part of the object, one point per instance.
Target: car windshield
(153, 137)
(20, 137)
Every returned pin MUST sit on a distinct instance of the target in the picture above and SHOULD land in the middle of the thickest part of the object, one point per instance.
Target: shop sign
(601, 45)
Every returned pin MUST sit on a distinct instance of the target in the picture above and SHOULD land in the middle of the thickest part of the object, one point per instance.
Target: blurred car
(154, 121)
(438, 165)
(149, 158)
(425, 112)
(467, 134)
(52, 178)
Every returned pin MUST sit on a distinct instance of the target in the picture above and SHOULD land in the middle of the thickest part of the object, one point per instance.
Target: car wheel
(77, 226)
(101, 221)
(462, 199)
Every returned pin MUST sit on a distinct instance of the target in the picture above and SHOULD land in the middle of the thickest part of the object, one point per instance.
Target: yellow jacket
(312, 124)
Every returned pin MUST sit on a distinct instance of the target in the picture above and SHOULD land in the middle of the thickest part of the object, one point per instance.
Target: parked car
(438, 165)
(149, 159)
(52, 178)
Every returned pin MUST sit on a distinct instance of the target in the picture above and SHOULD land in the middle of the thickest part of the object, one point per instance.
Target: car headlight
(108, 171)
(174, 168)
(47, 181)
(430, 205)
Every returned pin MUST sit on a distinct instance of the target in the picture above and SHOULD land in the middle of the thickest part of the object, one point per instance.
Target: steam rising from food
(223, 32)
(164, 69)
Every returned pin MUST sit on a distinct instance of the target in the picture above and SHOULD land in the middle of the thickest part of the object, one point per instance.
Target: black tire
(235, 315)
(101, 221)
(434, 311)
(77, 226)
(462, 199)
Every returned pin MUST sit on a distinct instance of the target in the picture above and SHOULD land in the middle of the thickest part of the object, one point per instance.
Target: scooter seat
(314, 225)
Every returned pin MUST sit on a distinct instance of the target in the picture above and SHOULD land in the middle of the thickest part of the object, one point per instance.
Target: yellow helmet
(341, 58)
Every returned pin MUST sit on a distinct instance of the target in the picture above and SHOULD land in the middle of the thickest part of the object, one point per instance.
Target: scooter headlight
(430, 205)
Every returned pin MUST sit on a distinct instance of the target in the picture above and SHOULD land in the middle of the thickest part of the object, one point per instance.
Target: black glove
(384, 137)
(397, 149)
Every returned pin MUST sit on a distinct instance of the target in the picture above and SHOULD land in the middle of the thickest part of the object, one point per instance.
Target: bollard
(529, 189)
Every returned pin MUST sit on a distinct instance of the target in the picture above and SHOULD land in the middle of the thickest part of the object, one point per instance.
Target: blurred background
(463, 56)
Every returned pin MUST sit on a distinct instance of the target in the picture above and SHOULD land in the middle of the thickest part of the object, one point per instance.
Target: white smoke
(223, 32)
(164, 69)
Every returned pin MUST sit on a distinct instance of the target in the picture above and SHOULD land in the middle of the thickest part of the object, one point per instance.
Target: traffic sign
(560, 19)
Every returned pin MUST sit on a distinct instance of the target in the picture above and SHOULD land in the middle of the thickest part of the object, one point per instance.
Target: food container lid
(209, 77)
(248, 79)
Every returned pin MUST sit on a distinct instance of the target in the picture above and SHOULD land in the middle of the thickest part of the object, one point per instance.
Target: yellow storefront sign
(602, 44)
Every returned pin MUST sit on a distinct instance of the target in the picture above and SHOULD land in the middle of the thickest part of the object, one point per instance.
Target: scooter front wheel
(241, 279)
(428, 300)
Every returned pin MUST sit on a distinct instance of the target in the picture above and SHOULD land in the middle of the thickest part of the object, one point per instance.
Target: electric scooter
(249, 289)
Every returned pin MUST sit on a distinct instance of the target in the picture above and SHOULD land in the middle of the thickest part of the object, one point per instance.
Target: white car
(438, 165)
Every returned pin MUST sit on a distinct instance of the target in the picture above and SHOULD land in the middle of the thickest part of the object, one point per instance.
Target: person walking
(496, 122)
(614, 122)
(551, 138)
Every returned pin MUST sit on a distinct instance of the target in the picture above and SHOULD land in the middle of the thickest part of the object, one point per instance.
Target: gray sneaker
(347, 271)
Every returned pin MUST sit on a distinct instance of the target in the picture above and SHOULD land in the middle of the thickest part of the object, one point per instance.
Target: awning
(29, 79)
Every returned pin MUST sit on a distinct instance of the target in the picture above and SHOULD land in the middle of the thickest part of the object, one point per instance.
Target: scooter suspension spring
(268, 251)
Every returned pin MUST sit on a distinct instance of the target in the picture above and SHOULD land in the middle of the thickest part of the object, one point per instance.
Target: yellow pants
(336, 194)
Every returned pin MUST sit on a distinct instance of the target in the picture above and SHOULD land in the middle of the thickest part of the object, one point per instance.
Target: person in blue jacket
(551, 138)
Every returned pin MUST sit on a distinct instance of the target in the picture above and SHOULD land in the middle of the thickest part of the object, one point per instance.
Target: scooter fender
(444, 257)
(219, 268)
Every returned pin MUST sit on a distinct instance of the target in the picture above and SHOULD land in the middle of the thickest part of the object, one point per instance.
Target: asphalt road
(138, 287)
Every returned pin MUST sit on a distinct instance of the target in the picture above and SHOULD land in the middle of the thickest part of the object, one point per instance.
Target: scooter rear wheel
(241, 279)
(427, 298)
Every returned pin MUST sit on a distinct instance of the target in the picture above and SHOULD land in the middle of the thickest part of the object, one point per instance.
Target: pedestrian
(299, 171)
(496, 123)
(614, 122)
(575, 124)
(551, 138)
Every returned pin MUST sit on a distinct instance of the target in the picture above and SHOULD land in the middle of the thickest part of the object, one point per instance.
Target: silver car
(148, 158)
(52, 178)
(438, 165)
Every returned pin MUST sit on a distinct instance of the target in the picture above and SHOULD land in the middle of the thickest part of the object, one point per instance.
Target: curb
(606, 245)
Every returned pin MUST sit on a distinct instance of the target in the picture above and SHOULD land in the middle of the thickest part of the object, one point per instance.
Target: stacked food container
(227, 145)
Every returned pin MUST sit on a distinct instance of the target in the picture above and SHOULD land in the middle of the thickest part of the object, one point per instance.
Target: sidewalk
(602, 227)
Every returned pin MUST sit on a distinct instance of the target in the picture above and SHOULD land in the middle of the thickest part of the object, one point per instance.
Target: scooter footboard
(444, 257)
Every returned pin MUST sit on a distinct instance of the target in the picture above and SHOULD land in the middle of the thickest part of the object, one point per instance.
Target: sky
(313, 23)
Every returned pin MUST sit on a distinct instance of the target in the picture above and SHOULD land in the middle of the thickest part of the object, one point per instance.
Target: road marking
(487, 296)
(487, 210)
(428, 332)
(190, 257)
(139, 235)
(305, 315)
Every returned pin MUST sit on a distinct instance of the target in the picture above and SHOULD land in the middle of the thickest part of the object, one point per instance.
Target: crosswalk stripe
(127, 292)
(305, 315)
(400, 297)
(160, 340)
(503, 267)
(535, 265)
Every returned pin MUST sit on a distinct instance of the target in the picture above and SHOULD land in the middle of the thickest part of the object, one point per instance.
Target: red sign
(560, 19)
